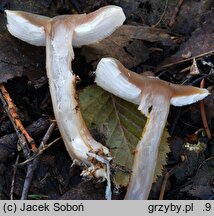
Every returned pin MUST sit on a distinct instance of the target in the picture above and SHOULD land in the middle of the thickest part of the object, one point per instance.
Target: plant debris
(199, 44)
(126, 44)
(143, 44)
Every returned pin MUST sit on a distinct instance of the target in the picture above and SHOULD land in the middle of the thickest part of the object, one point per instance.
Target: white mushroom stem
(58, 34)
(146, 151)
(154, 97)
(62, 84)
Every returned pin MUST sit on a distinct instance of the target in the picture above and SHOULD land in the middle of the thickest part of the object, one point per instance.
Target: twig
(188, 124)
(206, 76)
(33, 165)
(47, 135)
(24, 137)
(13, 179)
(203, 114)
(8, 142)
(162, 15)
(14, 114)
(165, 180)
(39, 152)
(177, 8)
(30, 171)
(196, 81)
(208, 159)
(22, 141)
(9, 107)
(187, 69)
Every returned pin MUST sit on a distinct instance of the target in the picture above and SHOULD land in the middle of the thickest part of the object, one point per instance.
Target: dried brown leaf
(126, 45)
(20, 59)
(16, 57)
(199, 44)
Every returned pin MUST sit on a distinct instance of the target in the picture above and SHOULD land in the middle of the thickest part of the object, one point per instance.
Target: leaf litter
(199, 44)
(126, 44)
(134, 45)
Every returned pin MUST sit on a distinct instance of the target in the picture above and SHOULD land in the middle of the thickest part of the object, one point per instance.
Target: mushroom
(154, 97)
(59, 35)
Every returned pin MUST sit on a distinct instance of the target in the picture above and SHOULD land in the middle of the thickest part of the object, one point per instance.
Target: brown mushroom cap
(114, 77)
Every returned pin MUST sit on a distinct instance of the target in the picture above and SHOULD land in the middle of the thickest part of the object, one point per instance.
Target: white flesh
(186, 100)
(59, 54)
(110, 78)
(23, 29)
(102, 25)
(77, 139)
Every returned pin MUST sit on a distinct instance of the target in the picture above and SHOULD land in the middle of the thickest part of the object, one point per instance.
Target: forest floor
(161, 38)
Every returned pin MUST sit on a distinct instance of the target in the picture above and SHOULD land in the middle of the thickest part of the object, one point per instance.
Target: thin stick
(22, 140)
(188, 59)
(76, 5)
(39, 152)
(14, 114)
(28, 178)
(203, 114)
(208, 159)
(33, 165)
(47, 135)
(162, 15)
(11, 109)
(165, 180)
(13, 179)
(24, 137)
(175, 121)
(177, 8)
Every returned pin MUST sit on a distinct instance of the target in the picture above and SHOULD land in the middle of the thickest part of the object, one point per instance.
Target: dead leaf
(163, 150)
(200, 186)
(123, 125)
(126, 45)
(20, 59)
(201, 192)
(199, 44)
(16, 57)
(194, 68)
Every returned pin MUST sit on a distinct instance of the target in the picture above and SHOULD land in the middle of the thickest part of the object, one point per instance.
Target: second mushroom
(154, 97)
